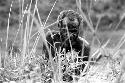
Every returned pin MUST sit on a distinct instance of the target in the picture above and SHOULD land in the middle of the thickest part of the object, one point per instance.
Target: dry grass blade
(97, 53)
(83, 39)
(21, 21)
(103, 46)
(120, 43)
(34, 35)
(26, 39)
(0, 52)
(37, 39)
(99, 19)
(122, 71)
(34, 46)
(122, 16)
(98, 50)
(45, 21)
(24, 46)
(95, 31)
(21, 16)
(8, 23)
(118, 24)
(89, 22)
(7, 33)
(41, 31)
(31, 26)
(84, 16)
(46, 27)
(50, 13)
(51, 24)
(20, 25)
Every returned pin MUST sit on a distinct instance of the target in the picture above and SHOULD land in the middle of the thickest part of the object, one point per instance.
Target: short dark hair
(68, 13)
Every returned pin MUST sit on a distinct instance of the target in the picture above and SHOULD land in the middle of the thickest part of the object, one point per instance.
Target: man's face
(70, 27)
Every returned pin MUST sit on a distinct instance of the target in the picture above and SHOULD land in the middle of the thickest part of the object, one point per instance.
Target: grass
(29, 48)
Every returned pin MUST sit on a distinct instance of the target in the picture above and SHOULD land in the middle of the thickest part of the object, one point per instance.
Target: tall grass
(7, 33)
(28, 54)
(102, 47)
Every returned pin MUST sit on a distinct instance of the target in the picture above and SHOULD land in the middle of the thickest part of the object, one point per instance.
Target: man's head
(69, 22)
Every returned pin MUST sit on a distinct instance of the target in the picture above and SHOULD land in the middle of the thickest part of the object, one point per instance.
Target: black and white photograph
(62, 41)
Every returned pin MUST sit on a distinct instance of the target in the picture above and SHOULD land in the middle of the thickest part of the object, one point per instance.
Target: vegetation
(110, 11)
(24, 23)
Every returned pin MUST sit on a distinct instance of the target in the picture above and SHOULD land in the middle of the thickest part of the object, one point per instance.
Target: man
(67, 38)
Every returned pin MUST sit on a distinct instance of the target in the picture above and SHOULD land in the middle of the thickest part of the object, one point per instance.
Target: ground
(107, 69)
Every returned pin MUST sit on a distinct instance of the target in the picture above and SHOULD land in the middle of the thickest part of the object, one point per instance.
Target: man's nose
(71, 19)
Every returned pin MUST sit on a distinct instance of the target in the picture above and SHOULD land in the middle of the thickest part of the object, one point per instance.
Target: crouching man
(67, 37)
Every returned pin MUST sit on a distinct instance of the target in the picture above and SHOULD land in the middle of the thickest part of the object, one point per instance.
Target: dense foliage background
(110, 11)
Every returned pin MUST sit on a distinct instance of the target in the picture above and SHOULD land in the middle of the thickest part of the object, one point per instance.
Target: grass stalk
(8, 32)
(8, 24)
(50, 13)
(84, 16)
